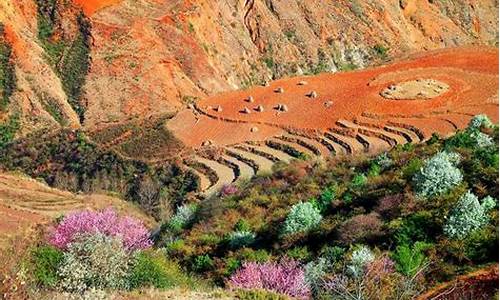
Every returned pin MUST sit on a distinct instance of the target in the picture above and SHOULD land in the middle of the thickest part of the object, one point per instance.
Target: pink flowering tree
(131, 231)
(286, 277)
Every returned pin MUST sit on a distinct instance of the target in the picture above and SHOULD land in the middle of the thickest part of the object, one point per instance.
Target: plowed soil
(91, 6)
(470, 73)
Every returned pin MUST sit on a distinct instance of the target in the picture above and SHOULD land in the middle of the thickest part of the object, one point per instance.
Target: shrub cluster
(376, 202)
(98, 251)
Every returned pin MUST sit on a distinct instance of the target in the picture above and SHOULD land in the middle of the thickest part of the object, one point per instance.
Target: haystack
(254, 129)
(284, 108)
(218, 108)
(246, 110)
(250, 99)
(328, 104)
(302, 82)
(313, 94)
(259, 108)
(279, 90)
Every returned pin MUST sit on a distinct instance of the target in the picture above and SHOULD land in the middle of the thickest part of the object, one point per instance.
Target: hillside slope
(127, 59)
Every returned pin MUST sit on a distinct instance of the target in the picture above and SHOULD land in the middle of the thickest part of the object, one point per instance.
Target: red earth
(470, 73)
(91, 6)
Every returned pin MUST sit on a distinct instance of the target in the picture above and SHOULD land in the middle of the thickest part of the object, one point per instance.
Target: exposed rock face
(151, 57)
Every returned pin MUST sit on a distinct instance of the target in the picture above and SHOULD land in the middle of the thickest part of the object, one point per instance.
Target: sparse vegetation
(70, 58)
(68, 160)
(7, 74)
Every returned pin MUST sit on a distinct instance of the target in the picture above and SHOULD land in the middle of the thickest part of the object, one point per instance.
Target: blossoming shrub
(482, 140)
(285, 277)
(302, 217)
(438, 175)
(228, 190)
(96, 251)
(131, 231)
(314, 272)
(468, 216)
(479, 121)
(360, 258)
(94, 261)
(183, 217)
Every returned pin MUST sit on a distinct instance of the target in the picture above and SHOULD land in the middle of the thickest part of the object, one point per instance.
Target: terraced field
(26, 203)
(314, 117)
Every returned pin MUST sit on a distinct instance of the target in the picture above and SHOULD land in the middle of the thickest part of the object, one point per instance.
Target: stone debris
(302, 82)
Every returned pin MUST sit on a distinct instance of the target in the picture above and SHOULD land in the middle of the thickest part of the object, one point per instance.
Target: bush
(390, 206)
(46, 260)
(359, 181)
(324, 201)
(228, 190)
(183, 217)
(153, 269)
(384, 161)
(438, 175)
(479, 121)
(482, 140)
(131, 231)
(302, 218)
(94, 261)
(238, 239)
(314, 272)
(409, 260)
(285, 277)
(203, 263)
(360, 258)
(467, 216)
(361, 228)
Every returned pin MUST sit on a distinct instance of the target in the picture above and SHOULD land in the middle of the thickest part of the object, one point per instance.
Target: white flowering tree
(468, 215)
(302, 217)
(438, 175)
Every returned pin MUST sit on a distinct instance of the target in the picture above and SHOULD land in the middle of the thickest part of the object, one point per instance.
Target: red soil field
(91, 6)
(470, 73)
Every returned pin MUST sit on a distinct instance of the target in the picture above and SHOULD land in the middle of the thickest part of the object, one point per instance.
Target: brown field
(472, 75)
(339, 113)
